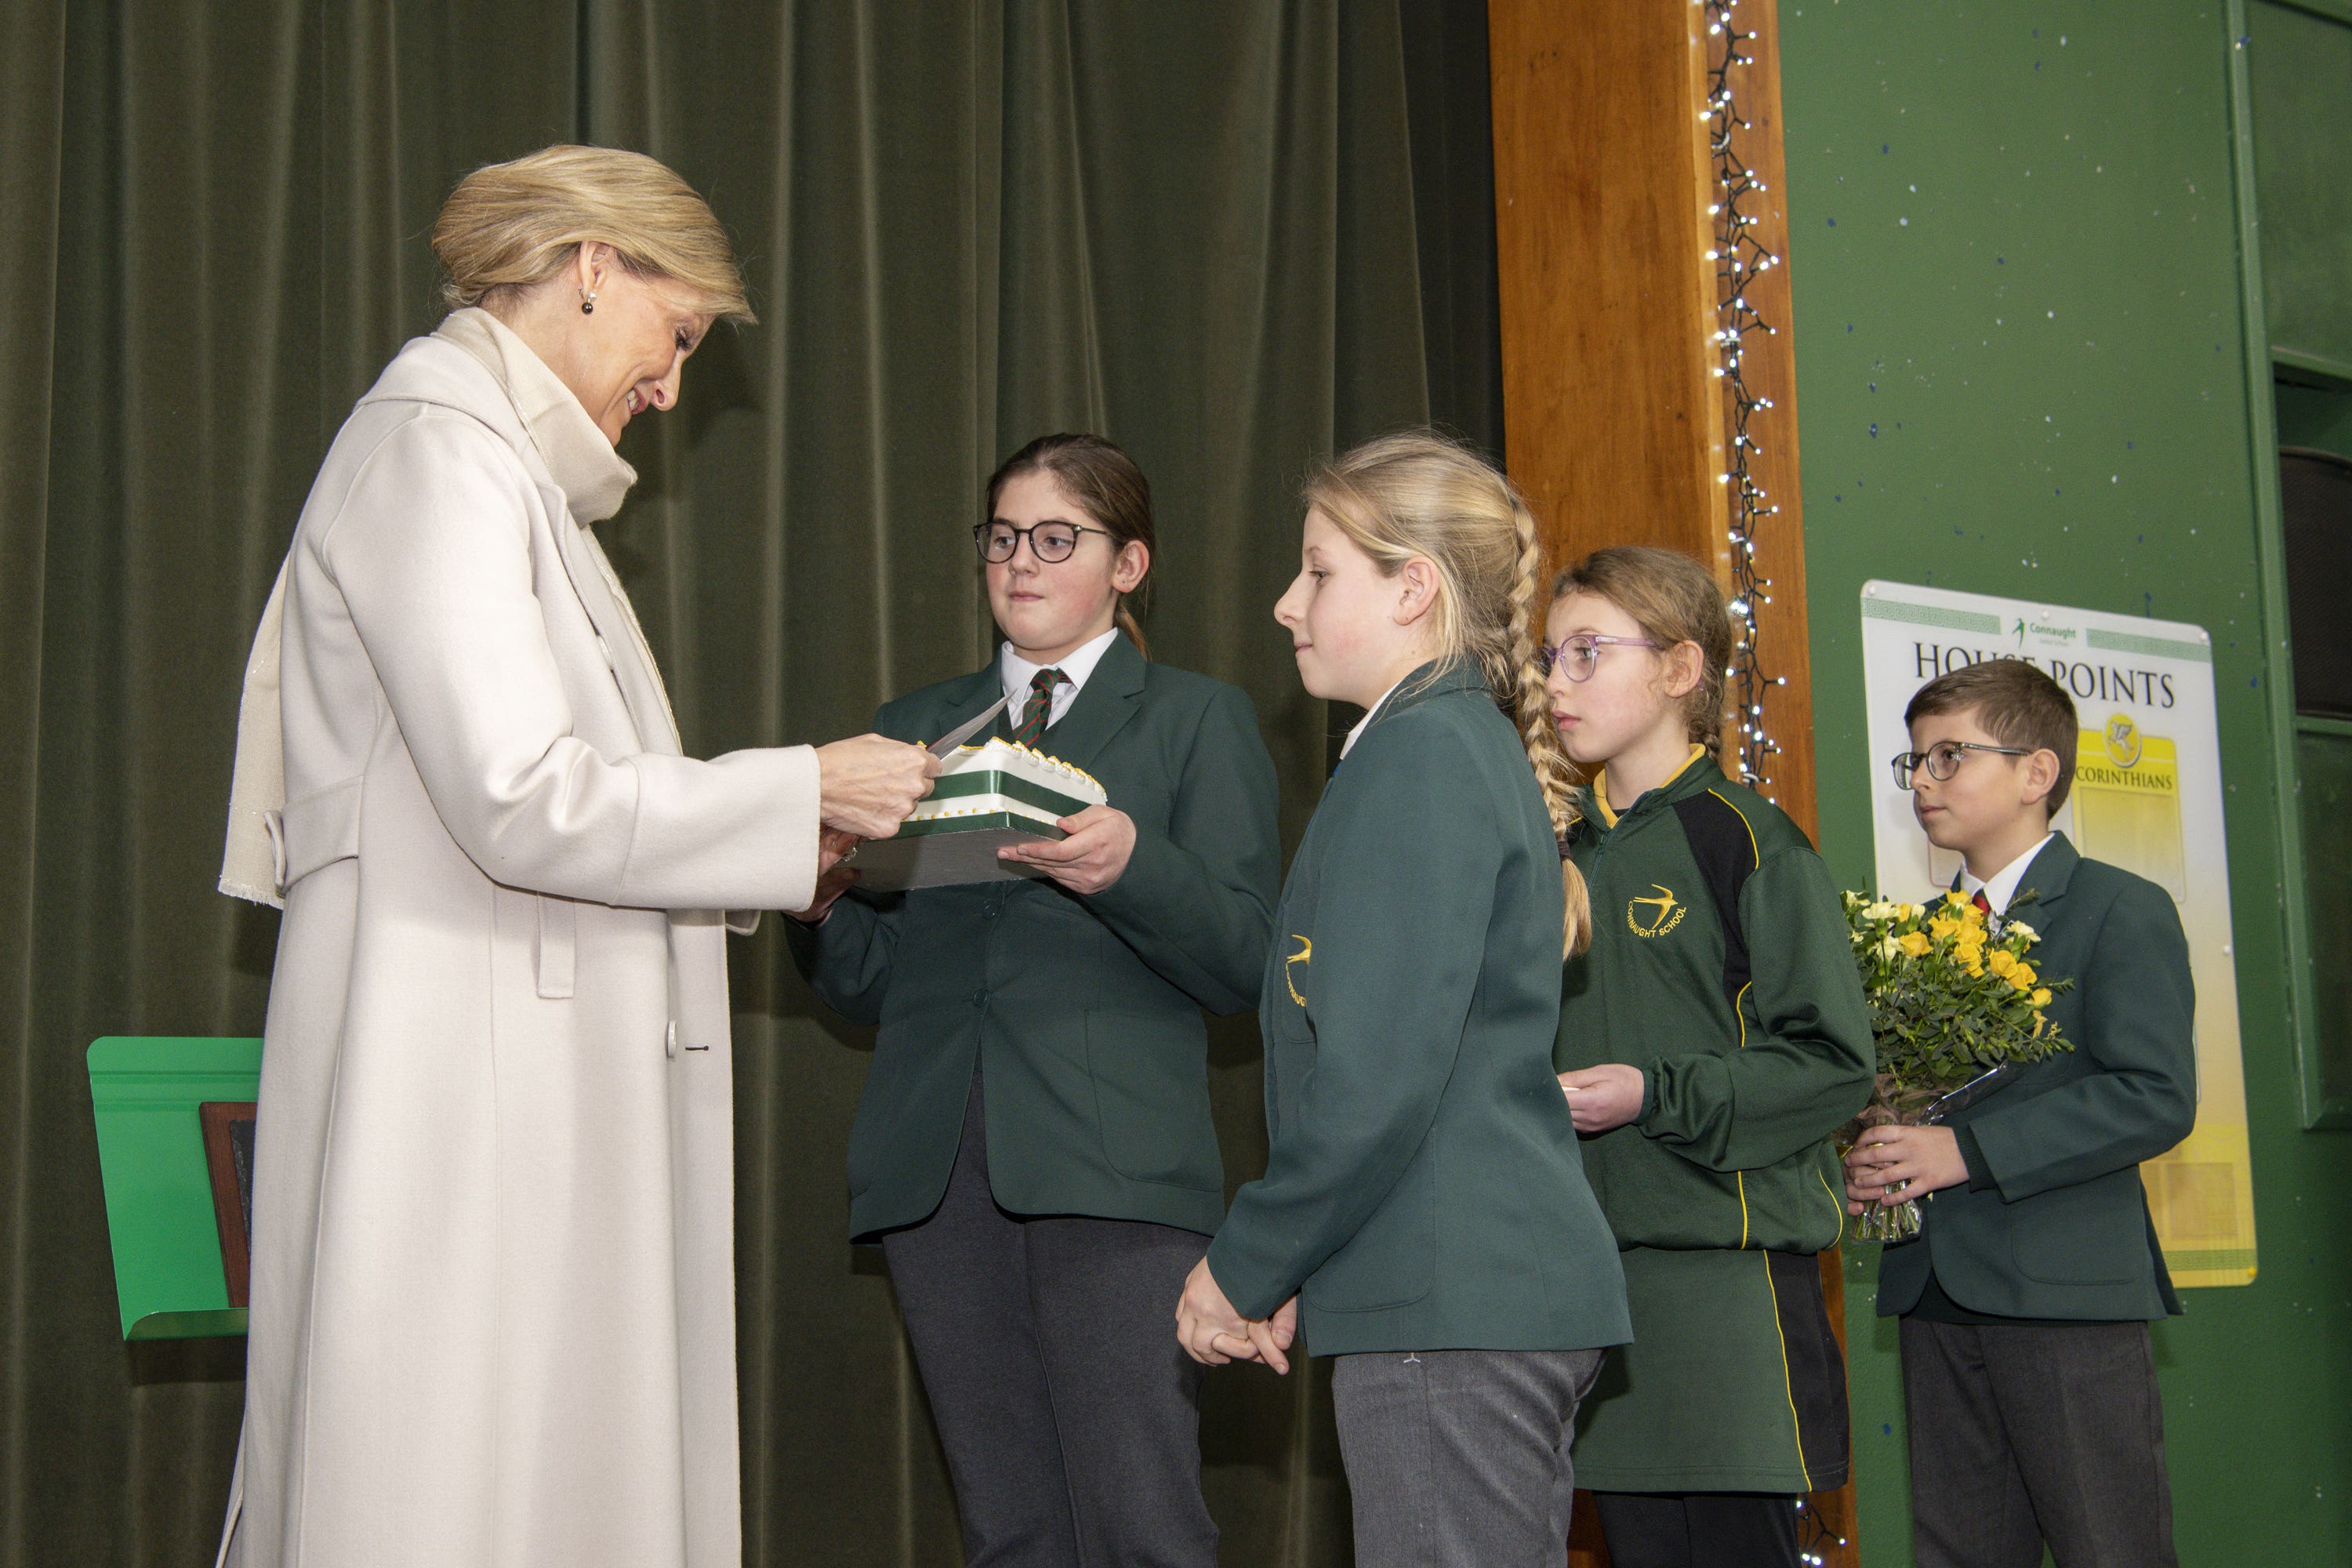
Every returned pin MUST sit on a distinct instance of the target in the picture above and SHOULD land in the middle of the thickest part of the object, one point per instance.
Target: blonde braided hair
(1533, 711)
(1419, 493)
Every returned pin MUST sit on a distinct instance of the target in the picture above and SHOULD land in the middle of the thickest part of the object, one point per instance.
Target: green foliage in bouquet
(1949, 1001)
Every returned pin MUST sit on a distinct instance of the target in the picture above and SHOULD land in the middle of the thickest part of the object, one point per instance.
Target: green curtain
(1230, 234)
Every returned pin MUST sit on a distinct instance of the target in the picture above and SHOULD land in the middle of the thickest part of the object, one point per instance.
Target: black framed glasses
(1049, 542)
(1942, 760)
(1576, 657)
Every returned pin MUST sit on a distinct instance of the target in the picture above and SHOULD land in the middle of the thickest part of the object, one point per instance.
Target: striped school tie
(1040, 708)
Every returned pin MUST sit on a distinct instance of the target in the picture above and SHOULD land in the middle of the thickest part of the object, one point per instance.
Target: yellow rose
(1972, 914)
(1943, 926)
(2038, 1022)
(1956, 898)
(2040, 999)
(1913, 943)
(2023, 977)
(1973, 964)
(2001, 962)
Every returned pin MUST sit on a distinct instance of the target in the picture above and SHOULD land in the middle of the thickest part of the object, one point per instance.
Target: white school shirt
(1369, 712)
(1017, 673)
(2001, 886)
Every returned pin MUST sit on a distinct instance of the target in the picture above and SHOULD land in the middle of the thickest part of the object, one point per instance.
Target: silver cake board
(948, 857)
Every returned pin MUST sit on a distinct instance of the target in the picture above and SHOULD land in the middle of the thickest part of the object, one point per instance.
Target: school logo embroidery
(1669, 915)
(1305, 954)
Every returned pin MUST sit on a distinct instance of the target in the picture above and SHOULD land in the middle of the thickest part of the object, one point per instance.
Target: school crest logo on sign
(1655, 916)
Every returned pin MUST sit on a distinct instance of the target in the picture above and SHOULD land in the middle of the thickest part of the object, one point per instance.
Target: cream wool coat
(493, 1264)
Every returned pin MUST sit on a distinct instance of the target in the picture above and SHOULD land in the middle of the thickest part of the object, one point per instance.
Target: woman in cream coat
(493, 1254)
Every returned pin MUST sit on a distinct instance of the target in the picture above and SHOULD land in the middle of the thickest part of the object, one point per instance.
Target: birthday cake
(986, 796)
(1002, 778)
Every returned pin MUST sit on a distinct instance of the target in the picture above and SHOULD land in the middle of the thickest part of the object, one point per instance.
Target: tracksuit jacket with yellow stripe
(1753, 1040)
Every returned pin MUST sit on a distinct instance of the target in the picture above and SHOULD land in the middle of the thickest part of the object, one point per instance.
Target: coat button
(980, 998)
(990, 913)
(669, 1043)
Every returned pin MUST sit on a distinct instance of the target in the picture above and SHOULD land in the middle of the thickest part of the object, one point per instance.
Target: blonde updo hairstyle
(1418, 493)
(510, 227)
(1674, 600)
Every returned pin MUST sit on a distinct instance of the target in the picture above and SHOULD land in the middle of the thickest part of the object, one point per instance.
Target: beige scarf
(594, 481)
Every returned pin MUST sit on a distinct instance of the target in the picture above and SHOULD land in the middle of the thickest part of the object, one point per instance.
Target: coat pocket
(2087, 1234)
(1150, 1078)
(1392, 1261)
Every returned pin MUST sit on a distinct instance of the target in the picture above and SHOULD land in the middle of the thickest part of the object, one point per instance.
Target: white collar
(595, 477)
(2001, 887)
(1356, 733)
(1079, 663)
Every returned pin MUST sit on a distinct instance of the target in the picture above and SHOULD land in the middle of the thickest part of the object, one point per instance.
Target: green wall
(2022, 369)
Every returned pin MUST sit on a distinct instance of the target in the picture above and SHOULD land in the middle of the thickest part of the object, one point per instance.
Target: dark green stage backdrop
(1230, 235)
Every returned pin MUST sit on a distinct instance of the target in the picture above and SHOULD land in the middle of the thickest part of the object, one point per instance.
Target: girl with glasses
(1034, 1148)
(1711, 1041)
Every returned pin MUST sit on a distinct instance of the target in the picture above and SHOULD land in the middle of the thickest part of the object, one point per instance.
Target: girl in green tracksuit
(1711, 1040)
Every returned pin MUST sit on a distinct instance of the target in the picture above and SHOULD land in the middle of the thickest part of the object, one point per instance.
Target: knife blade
(965, 732)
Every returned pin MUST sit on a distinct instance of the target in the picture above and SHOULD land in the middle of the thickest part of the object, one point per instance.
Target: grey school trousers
(1047, 1347)
(2027, 1433)
(1460, 1458)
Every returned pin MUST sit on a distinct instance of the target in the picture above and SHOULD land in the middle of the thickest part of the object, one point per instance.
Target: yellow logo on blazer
(1304, 955)
(1669, 912)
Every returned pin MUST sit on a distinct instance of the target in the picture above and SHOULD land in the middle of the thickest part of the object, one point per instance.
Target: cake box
(986, 797)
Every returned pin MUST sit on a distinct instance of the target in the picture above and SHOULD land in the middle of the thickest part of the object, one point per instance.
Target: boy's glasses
(1051, 542)
(1942, 760)
(1575, 656)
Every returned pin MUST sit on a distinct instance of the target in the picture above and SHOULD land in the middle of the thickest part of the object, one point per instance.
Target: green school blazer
(1082, 1015)
(1424, 1187)
(2064, 1232)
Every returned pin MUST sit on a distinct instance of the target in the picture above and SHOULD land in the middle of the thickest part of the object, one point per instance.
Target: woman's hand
(1888, 1164)
(1602, 1097)
(1094, 855)
(866, 786)
(1214, 1333)
(832, 877)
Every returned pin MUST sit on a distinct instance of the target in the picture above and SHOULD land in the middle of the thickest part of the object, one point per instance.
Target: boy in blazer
(2029, 1385)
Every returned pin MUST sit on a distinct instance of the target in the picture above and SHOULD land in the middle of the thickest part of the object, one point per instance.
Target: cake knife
(965, 732)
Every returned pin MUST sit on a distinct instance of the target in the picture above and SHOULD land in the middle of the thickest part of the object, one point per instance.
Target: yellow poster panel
(2126, 808)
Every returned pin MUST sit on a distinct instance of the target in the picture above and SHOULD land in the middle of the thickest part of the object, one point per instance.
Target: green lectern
(174, 1208)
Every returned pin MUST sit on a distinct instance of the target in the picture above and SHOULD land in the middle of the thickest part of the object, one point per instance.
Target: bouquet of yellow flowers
(1954, 1010)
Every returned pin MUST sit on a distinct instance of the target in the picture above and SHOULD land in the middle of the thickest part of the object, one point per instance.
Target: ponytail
(1125, 622)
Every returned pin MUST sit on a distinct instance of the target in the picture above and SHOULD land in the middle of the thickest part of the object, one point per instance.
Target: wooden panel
(1610, 426)
(1772, 374)
(1614, 421)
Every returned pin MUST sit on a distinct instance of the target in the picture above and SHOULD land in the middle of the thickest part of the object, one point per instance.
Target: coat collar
(2045, 880)
(1100, 710)
(2046, 877)
(594, 478)
(443, 371)
(1426, 684)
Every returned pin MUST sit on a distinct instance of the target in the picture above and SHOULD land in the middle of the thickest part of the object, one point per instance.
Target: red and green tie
(1041, 707)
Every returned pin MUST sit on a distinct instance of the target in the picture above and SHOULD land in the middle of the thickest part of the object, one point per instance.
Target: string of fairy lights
(1739, 255)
